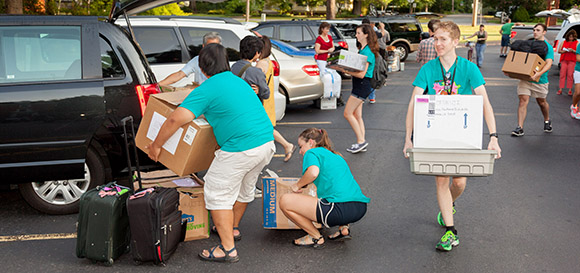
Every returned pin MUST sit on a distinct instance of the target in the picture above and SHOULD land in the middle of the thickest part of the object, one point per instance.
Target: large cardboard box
(448, 122)
(347, 60)
(192, 206)
(190, 149)
(273, 189)
(521, 65)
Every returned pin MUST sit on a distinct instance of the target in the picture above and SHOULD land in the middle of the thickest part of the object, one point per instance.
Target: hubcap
(62, 192)
(403, 51)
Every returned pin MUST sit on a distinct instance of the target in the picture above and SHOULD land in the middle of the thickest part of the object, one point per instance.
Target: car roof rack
(178, 18)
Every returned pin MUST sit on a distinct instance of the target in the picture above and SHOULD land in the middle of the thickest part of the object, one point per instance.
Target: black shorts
(339, 214)
(361, 88)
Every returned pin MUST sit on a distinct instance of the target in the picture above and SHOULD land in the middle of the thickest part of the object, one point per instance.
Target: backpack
(380, 75)
(531, 46)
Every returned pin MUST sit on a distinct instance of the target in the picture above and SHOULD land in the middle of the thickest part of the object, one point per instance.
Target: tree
(330, 9)
(357, 7)
(310, 4)
(283, 6)
(14, 7)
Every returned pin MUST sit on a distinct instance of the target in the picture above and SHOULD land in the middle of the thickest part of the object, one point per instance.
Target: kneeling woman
(341, 200)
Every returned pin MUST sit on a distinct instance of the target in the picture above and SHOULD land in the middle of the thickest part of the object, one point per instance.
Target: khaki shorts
(576, 77)
(232, 176)
(533, 89)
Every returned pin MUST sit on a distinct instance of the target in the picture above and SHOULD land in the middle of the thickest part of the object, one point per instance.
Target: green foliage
(2, 6)
(239, 6)
(521, 15)
(170, 9)
(282, 6)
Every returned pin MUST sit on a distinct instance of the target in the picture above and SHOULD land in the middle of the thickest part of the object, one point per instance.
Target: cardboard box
(328, 104)
(190, 149)
(448, 122)
(521, 65)
(192, 206)
(346, 60)
(272, 191)
(446, 162)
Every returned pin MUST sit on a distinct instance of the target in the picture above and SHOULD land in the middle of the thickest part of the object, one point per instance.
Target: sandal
(225, 259)
(236, 238)
(341, 237)
(289, 154)
(314, 244)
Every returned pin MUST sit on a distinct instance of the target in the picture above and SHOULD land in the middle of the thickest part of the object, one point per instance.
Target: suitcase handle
(124, 121)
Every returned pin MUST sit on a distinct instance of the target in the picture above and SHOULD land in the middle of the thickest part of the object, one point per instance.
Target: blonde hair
(451, 28)
(320, 136)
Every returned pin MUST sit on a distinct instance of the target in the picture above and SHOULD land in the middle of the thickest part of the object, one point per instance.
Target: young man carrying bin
(449, 74)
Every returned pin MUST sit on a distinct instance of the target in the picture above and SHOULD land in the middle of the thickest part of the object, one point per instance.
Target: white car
(169, 42)
(571, 21)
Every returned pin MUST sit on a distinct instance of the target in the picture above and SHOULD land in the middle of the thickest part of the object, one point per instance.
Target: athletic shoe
(357, 147)
(448, 241)
(518, 132)
(548, 126)
(440, 217)
(574, 112)
(372, 101)
(569, 92)
(559, 92)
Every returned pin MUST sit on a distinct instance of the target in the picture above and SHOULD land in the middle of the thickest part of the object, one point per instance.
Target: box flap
(173, 98)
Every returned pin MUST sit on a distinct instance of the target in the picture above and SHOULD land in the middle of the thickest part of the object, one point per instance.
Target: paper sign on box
(450, 122)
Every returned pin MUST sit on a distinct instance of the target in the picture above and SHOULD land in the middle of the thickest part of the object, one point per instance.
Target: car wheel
(62, 196)
(404, 49)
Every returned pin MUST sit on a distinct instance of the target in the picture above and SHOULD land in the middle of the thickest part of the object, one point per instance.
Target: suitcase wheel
(137, 262)
(109, 262)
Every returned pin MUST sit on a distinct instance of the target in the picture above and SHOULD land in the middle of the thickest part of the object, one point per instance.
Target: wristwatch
(494, 135)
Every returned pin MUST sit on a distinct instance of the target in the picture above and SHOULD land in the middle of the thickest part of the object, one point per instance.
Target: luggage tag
(141, 193)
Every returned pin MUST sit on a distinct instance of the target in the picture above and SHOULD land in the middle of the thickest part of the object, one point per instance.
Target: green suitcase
(103, 225)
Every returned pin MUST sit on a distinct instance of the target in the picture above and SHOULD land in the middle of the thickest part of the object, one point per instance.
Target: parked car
(169, 42)
(571, 22)
(299, 33)
(65, 83)
(292, 50)
(405, 31)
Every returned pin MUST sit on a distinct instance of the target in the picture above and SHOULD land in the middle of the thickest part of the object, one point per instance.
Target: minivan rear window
(194, 41)
(40, 53)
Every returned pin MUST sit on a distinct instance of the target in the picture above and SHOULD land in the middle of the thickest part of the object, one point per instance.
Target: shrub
(521, 15)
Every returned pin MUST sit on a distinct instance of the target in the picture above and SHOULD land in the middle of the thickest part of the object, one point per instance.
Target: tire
(62, 196)
(404, 49)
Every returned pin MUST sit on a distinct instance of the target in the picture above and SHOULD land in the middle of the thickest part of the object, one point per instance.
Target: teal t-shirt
(335, 182)
(234, 111)
(577, 67)
(370, 59)
(507, 28)
(467, 77)
(549, 55)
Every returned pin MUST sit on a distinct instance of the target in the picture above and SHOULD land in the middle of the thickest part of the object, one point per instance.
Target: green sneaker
(448, 241)
(440, 218)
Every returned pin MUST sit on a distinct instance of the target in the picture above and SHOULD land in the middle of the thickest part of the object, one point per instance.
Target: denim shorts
(505, 40)
(340, 213)
(361, 88)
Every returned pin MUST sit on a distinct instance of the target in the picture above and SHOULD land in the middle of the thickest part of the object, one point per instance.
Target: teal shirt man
(577, 67)
(335, 182)
(464, 74)
(370, 59)
(234, 111)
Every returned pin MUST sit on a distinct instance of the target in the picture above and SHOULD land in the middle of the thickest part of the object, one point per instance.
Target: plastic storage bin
(450, 162)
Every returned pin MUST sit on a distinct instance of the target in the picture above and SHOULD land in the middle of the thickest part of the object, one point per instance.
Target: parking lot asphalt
(523, 218)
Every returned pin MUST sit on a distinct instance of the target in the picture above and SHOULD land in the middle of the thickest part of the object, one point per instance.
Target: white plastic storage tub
(449, 162)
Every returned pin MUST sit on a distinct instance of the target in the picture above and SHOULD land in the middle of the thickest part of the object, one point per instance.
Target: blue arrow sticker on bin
(465, 121)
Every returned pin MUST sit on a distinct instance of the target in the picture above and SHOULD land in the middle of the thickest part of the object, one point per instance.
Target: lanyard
(448, 84)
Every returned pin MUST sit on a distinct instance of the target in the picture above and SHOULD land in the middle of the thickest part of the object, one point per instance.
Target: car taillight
(556, 45)
(343, 44)
(276, 68)
(311, 70)
(143, 93)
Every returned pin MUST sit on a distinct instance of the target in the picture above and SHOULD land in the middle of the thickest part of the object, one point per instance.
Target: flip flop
(236, 238)
(289, 154)
(314, 244)
(340, 237)
(225, 259)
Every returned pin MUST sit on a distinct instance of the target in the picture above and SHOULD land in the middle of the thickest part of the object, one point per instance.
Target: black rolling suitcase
(155, 219)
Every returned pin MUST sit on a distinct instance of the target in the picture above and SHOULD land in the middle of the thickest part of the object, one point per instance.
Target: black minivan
(299, 33)
(65, 84)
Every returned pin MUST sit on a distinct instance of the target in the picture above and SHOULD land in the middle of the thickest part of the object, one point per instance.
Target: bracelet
(494, 135)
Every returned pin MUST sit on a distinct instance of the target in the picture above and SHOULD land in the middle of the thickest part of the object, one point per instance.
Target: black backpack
(380, 75)
(531, 46)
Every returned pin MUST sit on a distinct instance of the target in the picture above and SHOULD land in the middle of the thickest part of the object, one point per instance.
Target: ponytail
(320, 136)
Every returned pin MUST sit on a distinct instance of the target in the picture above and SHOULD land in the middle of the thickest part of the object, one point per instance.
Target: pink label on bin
(422, 100)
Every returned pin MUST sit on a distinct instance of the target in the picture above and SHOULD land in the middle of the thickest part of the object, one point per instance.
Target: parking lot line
(32, 237)
(303, 122)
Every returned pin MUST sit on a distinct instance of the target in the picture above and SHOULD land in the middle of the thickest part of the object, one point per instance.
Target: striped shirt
(426, 51)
